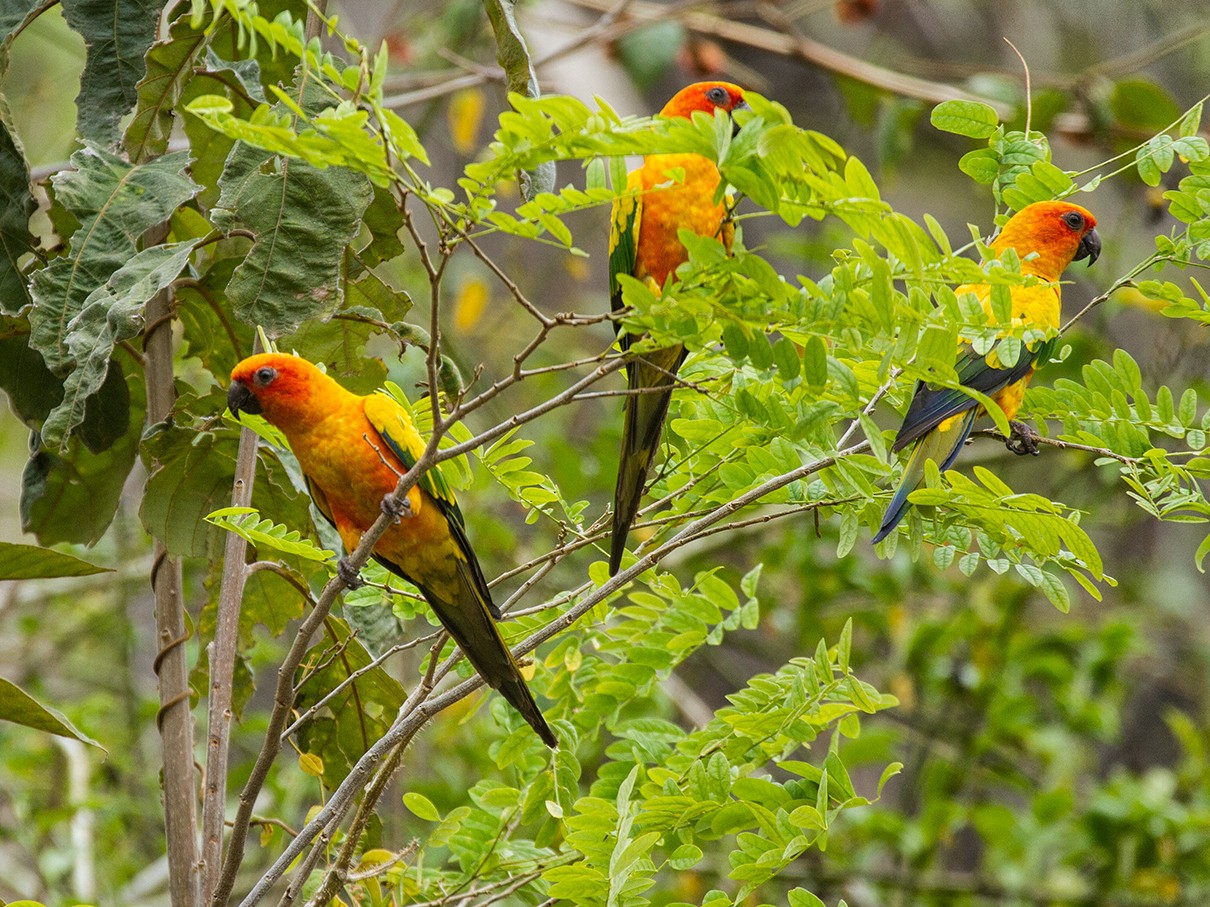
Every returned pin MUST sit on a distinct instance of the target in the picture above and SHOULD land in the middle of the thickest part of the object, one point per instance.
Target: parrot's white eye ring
(264, 375)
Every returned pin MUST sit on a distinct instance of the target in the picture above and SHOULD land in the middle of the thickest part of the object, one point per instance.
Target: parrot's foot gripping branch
(398, 512)
(349, 576)
(1023, 440)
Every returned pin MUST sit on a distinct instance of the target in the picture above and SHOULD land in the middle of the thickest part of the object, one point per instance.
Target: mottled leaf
(303, 218)
(111, 314)
(116, 36)
(169, 67)
(115, 203)
(339, 343)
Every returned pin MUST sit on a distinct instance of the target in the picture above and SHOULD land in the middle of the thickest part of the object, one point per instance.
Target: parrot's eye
(718, 96)
(262, 376)
(1074, 219)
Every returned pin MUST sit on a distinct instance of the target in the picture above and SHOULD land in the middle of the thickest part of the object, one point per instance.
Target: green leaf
(16, 206)
(32, 389)
(32, 562)
(421, 806)
(71, 496)
(685, 857)
(116, 35)
(18, 707)
(111, 314)
(513, 57)
(303, 219)
(169, 66)
(969, 118)
(358, 714)
(982, 165)
(246, 523)
(115, 203)
(815, 362)
(1199, 557)
(1139, 104)
(193, 479)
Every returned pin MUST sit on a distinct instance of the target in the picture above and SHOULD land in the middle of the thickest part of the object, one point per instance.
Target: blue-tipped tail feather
(939, 445)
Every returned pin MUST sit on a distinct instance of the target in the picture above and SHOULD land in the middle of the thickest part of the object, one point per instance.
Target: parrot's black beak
(1090, 247)
(242, 400)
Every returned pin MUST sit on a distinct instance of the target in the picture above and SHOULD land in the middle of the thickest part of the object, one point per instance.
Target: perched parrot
(1048, 236)
(352, 450)
(643, 243)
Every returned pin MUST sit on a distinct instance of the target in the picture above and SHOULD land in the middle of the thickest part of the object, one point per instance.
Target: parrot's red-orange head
(278, 386)
(706, 97)
(1057, 232)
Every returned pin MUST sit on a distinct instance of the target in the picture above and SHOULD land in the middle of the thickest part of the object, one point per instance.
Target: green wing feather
(393, 423)
(931, 406)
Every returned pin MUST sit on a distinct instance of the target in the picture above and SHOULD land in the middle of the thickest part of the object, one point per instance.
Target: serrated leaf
(193, 479)
(168, 65)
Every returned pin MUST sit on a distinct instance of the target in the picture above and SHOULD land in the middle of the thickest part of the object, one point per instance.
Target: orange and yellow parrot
(352, 450)
(1047, 236)
(643, 243)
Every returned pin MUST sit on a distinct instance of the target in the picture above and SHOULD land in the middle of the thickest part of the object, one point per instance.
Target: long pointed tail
(941, 446)
(469, 622)
(643, 425)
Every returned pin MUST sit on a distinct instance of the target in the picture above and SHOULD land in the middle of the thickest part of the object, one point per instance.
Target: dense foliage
(265, 192)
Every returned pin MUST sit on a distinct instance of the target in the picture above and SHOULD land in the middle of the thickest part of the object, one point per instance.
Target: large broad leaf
(112, 313)
(33, 390)
(16, 205)
(71, 496)
(357, 716)
(116, 34)
(19, 707)
(303, 218)
(12, 14)
(32, 562)
(169, 67)
(193, 478)
(115, 203)
(339, 343)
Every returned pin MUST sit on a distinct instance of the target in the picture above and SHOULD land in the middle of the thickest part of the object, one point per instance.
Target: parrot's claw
(397, 512)
(1023, 440)
(351, 578)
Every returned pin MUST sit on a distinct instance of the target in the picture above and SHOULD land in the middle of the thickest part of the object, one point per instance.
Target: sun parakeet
(352, 450)
(1047, 236)
(643, 243)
